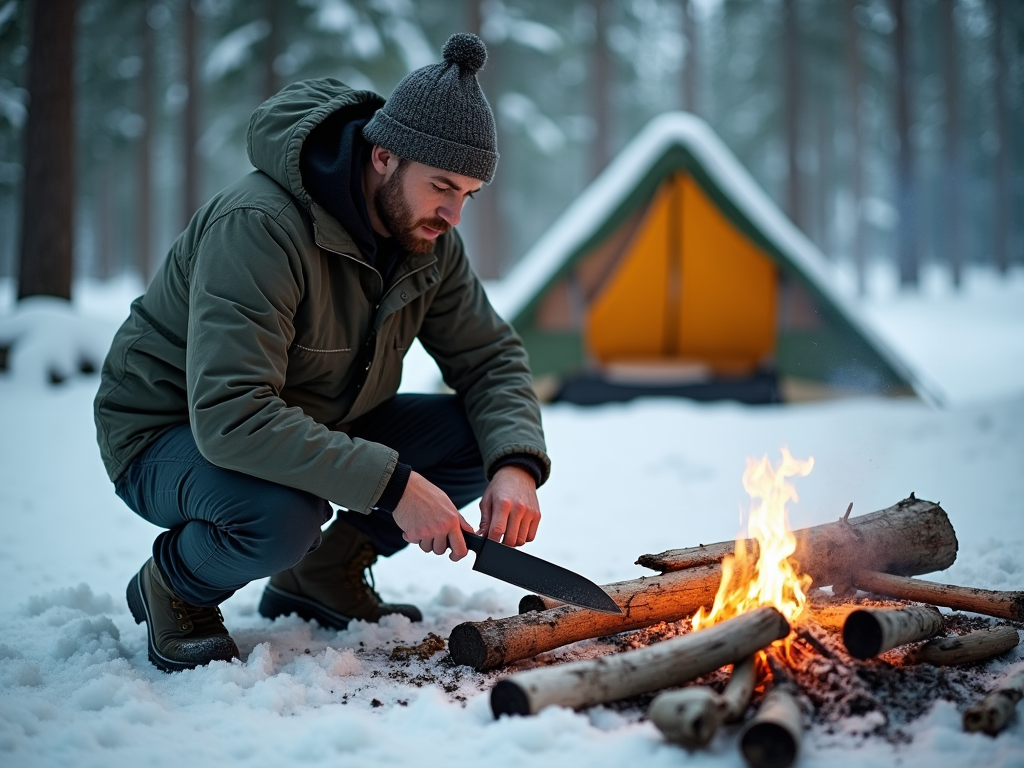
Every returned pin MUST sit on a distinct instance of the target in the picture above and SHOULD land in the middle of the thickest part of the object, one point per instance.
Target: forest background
(890, 131)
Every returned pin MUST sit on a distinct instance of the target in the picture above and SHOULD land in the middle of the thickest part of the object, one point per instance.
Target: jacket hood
(280, 125)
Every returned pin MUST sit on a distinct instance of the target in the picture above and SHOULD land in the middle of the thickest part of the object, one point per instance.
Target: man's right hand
(427, 517)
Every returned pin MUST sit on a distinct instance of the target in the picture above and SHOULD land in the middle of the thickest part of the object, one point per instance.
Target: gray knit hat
(438, 115)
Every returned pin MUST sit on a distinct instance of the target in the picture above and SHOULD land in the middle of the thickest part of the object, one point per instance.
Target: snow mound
(50, 341)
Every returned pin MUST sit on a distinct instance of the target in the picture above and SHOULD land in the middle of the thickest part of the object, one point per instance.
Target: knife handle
(474, 542)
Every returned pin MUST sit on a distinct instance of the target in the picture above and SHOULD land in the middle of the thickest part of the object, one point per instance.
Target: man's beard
(395, 214)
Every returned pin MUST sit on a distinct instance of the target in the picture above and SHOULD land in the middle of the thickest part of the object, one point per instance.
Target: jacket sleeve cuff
(524, 461)
(394, 489)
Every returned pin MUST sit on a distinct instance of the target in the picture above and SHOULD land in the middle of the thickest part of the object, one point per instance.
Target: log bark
(993, 712)
(964, 649)
(1004, 605)
(608, 678)
(691, 716)
(772, 738)
(645, 601)
(908, 538)
(891, 538)
(871, 631)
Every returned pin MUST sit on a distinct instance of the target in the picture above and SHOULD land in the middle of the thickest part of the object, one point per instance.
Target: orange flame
(771, 578)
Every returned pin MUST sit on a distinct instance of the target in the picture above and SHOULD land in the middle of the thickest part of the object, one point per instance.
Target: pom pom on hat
(467, 50)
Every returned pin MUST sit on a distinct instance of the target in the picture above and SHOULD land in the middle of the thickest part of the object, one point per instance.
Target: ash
(839, 694)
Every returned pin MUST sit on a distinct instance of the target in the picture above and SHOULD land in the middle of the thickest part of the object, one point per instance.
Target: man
(255, 380)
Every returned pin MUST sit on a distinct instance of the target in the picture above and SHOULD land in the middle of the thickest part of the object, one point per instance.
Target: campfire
(796, 651)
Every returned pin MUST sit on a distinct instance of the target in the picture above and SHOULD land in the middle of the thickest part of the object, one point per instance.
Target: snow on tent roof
(670, 142)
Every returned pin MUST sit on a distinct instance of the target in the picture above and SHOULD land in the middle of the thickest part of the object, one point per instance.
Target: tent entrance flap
(689, 291)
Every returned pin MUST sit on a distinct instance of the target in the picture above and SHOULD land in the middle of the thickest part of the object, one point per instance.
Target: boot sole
(140, 612)
(276, 602)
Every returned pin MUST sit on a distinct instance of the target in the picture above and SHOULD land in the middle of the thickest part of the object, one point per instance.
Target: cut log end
(862, 635)
(769, 745)
(871, 631)
(468, 647)
(532, 603)
(508, 698)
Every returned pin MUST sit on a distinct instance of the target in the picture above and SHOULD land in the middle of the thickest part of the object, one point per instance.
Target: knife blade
(515, 567)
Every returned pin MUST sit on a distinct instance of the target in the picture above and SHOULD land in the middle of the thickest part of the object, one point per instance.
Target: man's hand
(510, 507)
(427, 517)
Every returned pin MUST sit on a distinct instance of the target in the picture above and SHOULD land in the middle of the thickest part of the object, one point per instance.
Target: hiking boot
(332, 584)
(181, 635)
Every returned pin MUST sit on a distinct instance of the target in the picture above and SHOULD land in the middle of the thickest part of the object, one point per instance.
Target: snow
(76, 687)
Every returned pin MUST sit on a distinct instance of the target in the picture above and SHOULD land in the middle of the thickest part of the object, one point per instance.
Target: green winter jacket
(269, 332)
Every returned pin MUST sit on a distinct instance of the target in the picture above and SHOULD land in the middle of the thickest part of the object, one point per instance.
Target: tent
(674, 273)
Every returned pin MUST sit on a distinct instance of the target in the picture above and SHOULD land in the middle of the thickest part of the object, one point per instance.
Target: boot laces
(204, 620)
(360, 571)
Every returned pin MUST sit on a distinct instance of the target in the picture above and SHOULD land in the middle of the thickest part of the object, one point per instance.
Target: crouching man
(255, 381)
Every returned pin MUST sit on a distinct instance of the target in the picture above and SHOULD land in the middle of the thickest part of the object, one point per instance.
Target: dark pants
(226, 528)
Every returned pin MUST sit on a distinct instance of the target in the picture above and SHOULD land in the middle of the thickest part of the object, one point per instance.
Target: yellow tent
(674, 273)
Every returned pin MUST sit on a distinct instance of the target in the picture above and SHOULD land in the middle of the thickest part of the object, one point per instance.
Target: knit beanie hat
(438, 115)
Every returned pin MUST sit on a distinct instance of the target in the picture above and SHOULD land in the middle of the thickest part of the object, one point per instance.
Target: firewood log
(494, 643)
(993, 712)
(909, 538)
(676, 595)
(608, 678)
(691, 716)
(772, 737)
(964, 649)
(1004, 605)
(868, 632)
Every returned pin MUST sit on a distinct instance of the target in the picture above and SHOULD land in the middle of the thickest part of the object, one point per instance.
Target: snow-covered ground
(76, 687)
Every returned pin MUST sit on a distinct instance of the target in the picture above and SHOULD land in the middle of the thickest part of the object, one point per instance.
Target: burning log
(909, 538)
(772, 738)
(1004, 605)
(691, 583)
(608, 678)
(493, 643)
(974, 646)
(993, 712)
(691, 716)
(871, 631)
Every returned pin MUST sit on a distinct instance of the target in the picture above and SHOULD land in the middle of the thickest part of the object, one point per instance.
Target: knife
(515, 567)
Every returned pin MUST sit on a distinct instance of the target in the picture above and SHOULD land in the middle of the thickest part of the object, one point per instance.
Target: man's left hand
(509, 507)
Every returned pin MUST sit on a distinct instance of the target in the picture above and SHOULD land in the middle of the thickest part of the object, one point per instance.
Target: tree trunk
(601, 84)
(489, 258)
(793, 111)
(190, 117)
(871, 631)
(906, 197)
(855, 73)
(47, 200)
(966, 649)
(1005, 605)
(690, 60)
(144, 202)
(909, 538)
(952, 203)
(1001, 177)
(271, 47)
(993, 712)
(609, 678)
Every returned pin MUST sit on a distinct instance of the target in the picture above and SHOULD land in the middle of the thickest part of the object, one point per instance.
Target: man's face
(418, 203)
